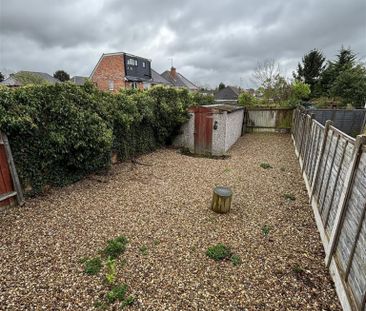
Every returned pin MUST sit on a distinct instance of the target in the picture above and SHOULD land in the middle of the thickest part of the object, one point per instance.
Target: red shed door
(203, 131)
(6, 184)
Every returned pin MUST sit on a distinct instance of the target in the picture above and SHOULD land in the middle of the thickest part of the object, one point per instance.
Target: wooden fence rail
(334, 170)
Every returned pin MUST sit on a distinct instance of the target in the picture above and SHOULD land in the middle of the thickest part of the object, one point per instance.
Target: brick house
(115, 71)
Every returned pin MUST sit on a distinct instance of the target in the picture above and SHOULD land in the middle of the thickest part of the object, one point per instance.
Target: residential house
(156, 79)
(78, 80)
(28, 77)
(178, 80)
(115, 71)
(229, 94)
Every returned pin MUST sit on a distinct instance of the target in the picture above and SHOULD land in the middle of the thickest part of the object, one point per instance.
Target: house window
(133, 85)
(132, 62)
(111, 85)
(143, 65)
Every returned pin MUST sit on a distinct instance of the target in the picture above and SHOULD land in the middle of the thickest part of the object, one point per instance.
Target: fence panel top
(343, 134)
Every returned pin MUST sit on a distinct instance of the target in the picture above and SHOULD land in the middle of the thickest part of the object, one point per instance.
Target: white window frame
(132, 62)
(111, 85)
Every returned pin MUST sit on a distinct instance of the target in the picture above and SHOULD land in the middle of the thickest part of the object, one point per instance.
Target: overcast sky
(209, 41)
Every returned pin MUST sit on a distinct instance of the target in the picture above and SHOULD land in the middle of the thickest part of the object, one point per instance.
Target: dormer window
(132, 62)
(143, 64)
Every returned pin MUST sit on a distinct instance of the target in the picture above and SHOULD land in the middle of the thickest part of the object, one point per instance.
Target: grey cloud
(210, 41)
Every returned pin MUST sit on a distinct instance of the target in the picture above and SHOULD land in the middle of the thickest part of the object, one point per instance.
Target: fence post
(348, 182)
(308, 141)
(302, 134)
(320, 156)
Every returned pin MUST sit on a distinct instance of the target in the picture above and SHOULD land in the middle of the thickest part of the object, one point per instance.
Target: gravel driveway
(162, 207)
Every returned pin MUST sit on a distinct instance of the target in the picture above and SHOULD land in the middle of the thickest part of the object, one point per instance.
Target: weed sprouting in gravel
(219, 252)
(227, 170)
(92, 266)
(265, 165)
(100, 305)
(117, 293)
(236, 260)
(128, 301)
(115, 247)
(156, 242)
(111, 270)
(283, 169)
(144, 250)
(297, 269)
(265, 230)
(289, 197)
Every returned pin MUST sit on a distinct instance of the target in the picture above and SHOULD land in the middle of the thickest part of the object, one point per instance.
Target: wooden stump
(221, 201)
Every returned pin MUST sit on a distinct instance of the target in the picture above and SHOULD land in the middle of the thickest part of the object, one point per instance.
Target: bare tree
(266, 72)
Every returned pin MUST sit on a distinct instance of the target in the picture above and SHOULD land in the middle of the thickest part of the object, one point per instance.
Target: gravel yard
(163, 210)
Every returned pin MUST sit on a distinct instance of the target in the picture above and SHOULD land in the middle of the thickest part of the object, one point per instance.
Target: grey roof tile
(179, 81)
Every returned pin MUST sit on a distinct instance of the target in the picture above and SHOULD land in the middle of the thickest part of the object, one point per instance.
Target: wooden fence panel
(319, 132)
(334, 169)
(337, 195)
(350, 232)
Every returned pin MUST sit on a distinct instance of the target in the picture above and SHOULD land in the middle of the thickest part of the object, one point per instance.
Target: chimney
(173, 72)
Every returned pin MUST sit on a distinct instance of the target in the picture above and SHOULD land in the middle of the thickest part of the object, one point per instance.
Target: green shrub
(200, 99)
(92, 266)
(247, 99)
(115, 247)
(218, 252)
(61, 133)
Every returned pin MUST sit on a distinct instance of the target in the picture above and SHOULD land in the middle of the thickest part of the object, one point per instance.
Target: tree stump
(221, 201)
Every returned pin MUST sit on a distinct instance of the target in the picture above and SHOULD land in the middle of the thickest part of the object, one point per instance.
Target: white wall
(219, 135)
(234, 125)
(186, 138)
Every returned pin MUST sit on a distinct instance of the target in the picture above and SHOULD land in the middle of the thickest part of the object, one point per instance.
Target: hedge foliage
(60, 133)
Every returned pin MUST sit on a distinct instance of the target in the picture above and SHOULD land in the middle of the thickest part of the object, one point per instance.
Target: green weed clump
(117, 293)
(265, 230)
(289, 197)
(111, 270)
(218, 252)
(297, 269)
(144, 250)
(265, 165)
(236, 260)
(92, 266)
(115, 247)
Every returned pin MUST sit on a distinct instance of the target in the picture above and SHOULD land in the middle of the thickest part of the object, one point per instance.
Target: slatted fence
(334, 170)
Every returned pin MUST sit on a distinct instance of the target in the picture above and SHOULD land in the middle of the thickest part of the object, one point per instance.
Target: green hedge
(60, 133)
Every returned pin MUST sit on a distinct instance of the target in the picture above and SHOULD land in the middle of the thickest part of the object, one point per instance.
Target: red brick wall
(110, 68)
